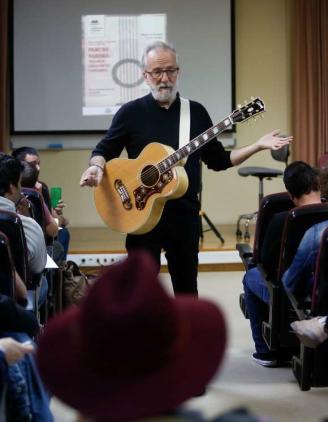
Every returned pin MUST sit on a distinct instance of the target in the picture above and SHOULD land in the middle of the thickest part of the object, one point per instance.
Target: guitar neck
(256, 106)
(194, 145)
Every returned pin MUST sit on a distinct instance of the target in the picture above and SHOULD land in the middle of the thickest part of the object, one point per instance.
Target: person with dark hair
(29, 175)
(158, 116)
(300, 179)
(54, 247)
(10, 195)
(22, 153)
(302, 184)
(30, 155)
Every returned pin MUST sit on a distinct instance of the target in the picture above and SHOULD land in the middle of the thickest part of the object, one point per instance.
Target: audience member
(302, 184)
(298, 279)
(29, 180)
(11, 351)
(311, 332)
(20, 386)
(10, 195)
(31, 155)
(54, 247)
(131, 350)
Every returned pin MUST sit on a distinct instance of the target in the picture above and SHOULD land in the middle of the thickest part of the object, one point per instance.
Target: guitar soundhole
(149, 176)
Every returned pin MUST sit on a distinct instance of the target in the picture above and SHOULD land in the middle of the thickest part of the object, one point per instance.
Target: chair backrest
(36, 200)
(281, 312)
(7, 269)
(270, 205)
(319, 304)
(11, 226)
(299, 219)
(46, 195)
(281, 154)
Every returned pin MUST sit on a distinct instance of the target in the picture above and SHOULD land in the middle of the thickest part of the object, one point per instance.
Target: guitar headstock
(243, 113)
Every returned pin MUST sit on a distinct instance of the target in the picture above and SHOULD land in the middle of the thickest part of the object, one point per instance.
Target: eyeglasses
(158, 73)
(34, 162)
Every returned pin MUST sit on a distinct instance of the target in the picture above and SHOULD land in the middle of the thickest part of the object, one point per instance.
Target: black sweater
(142, 121)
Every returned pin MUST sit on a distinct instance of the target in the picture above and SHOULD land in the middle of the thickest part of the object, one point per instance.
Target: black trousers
(178, 236)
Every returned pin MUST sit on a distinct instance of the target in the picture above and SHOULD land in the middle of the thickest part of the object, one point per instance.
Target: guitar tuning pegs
(261, 115)
(239, 106)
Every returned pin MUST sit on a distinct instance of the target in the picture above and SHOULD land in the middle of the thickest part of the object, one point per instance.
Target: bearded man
(156, 117)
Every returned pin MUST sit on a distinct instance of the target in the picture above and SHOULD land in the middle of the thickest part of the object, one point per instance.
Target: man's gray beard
(164, 97)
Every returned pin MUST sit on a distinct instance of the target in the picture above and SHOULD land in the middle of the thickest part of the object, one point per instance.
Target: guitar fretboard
(193, 145)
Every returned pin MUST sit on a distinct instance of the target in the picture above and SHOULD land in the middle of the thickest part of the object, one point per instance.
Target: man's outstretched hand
(274, 140)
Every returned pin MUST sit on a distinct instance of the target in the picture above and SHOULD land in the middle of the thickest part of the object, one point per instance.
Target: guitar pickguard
(143, 193)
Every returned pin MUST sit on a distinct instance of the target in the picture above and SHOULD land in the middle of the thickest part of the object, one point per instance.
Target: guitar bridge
(123, 193)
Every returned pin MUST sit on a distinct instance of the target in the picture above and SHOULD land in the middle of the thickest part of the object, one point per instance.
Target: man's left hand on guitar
(273, 140)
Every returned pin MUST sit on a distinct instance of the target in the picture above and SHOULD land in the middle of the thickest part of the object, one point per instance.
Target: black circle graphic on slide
(118, 66)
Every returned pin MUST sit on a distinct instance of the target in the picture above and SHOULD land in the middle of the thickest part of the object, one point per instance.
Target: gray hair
(154, 46)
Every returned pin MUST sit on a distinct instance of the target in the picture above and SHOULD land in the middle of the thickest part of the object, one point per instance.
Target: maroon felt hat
(131, 350)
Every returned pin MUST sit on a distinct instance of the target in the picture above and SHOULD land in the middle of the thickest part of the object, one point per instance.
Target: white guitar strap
(184, 130)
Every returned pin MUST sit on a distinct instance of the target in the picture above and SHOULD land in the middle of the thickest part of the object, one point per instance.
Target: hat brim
(185, 374)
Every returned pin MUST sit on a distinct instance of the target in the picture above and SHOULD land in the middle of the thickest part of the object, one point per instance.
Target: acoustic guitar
(133, 192)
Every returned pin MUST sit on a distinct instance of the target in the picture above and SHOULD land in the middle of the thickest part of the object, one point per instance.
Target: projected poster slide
(112, 47)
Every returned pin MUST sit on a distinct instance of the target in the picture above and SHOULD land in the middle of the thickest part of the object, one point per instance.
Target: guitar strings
(203, 138)
(154, 169)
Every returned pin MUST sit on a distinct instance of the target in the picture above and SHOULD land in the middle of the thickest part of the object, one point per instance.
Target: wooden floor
(104, 240)
(101, 240)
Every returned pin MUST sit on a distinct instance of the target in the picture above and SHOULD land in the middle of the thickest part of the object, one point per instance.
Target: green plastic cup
(55, 195)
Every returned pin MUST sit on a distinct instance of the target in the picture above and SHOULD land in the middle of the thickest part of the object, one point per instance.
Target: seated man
(302, 184)
(10, 195)
(31, 155)
(54, 247)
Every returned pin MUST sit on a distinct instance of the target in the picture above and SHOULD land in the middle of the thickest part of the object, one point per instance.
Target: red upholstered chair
(251, 257)
(323, 161)
(11, 226)
(7, 268)
(37, 208)
(277, 332)
(261, 173)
